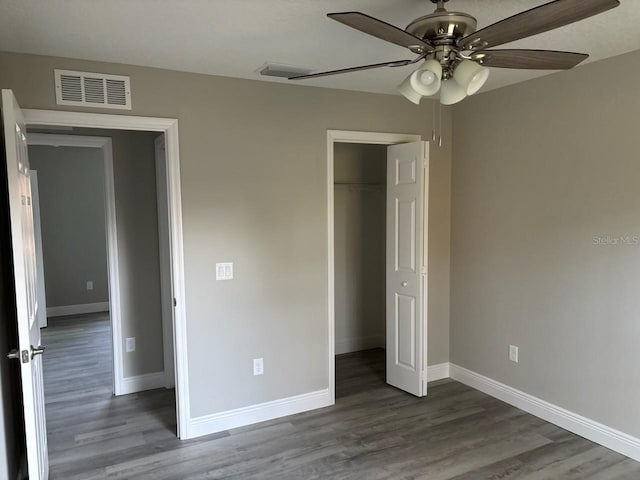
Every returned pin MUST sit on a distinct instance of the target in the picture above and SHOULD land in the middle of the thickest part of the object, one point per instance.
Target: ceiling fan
(455, 55)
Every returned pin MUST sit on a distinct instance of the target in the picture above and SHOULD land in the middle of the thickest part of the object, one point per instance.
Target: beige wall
(74, 246)
(360, 173)
(253, 166)
(134, 175)
(539, 170)
(138, 255)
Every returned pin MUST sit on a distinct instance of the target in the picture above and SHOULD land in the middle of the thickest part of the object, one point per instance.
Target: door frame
(37, 228)
(168, 126)
(349, 136)
(165, 259)
(113, 270)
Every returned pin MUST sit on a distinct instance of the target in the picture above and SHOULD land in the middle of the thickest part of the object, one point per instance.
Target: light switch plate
(258, 366)
(89, 285)
(513, 353)
(224, 271)
(130, 344)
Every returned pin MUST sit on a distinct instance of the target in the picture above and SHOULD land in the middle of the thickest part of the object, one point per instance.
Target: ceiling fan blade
(537, 20)
(396, 63)
(380, 29)
(529, 59)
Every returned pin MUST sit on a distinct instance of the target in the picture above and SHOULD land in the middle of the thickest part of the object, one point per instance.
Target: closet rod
(360, 183)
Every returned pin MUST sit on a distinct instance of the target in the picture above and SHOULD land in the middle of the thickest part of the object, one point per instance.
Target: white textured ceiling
(235, 37)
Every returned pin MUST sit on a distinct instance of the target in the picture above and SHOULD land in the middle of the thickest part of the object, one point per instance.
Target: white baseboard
(437, 372)
(585, 427)
(140, 383)
(349, 345)
(77, 309)
(240, 417)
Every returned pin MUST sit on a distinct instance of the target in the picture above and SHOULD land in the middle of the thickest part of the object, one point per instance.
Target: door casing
(168, 126)
(165, 261)
(41, 291)
(347, 136)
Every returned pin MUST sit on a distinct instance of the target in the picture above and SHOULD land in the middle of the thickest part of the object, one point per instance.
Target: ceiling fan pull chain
(440, 124)
(433, 122)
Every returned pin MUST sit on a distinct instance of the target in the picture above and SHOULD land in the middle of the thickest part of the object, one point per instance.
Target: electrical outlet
(258, 366)
(130, 344)
(513, 353)
(89, 285)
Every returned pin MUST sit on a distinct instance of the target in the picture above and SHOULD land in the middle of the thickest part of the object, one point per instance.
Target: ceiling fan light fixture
(443, 37)
(471, 76)
(427, 79)
(407, 90)
(451, 92)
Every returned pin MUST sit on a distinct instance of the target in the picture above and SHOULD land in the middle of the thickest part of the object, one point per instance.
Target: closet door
(405, 267)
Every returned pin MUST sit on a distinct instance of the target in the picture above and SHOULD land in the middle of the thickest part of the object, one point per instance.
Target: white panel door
(24, 267)
(405, 208)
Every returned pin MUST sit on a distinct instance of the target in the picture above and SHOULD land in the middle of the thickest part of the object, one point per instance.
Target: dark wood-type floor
(373, 432)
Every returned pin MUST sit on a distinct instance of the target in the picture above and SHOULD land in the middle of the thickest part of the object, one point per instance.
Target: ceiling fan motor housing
(443, 27)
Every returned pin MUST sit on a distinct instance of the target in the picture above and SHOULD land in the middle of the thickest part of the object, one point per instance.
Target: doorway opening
(29, 352)
(377, 198)
(360, 178)
(99, 202)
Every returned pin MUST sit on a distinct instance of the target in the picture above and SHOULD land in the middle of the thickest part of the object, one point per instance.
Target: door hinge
(175, 303)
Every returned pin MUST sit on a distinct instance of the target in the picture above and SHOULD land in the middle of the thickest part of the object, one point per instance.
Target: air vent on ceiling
(92, 89)
(282, 71)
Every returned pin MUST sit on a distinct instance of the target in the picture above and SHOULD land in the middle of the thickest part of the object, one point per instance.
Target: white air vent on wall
(92, 89)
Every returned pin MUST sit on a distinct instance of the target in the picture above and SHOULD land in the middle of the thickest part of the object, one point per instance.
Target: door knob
(39, 350)
(17, 355)
(404, 284)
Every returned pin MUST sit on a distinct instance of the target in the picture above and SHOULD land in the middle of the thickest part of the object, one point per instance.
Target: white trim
(169, 126)
(437, 372)
(59, 118)
(41, 290)
(65, 140)
(585, 427)
(113, 267)
(64, 310)
(219, 422)
(140, 383)
(345, 136)
(164, 247)
(349, 345)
